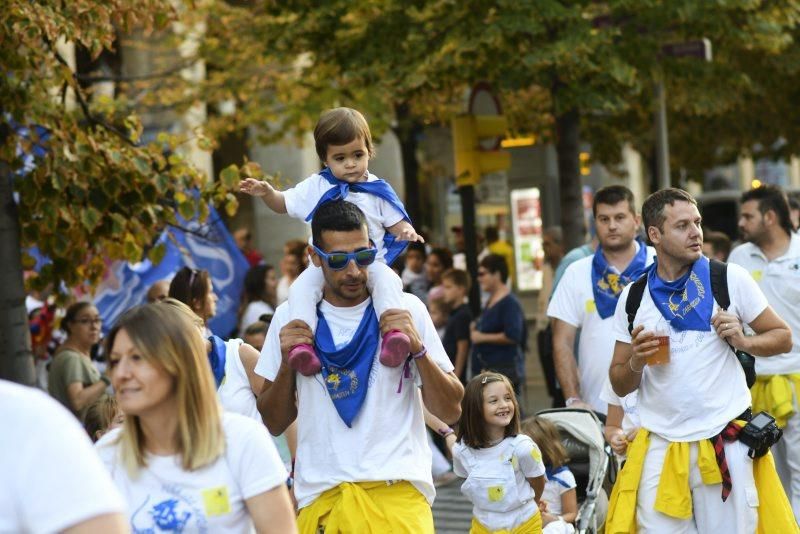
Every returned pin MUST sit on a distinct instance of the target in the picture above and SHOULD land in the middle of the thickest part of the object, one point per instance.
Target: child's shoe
(395, 348)
(304, 360)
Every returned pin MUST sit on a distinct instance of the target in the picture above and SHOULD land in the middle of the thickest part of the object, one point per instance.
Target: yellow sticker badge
(757, 274)
(496, 493)
(591, 307)
(536, 454)
(216, 501)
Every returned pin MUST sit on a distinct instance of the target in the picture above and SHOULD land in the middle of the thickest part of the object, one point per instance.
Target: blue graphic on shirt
(171, 513)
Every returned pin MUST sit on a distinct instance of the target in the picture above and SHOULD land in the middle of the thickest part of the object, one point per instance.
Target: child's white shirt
(500, 502)
(303, 198)
(553, 489)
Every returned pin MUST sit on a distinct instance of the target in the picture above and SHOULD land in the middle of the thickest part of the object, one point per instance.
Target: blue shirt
(505, 316)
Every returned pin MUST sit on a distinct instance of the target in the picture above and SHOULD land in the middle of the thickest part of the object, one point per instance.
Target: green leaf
(229, 176)
(156, 254)
(89, 218)
(186, 209)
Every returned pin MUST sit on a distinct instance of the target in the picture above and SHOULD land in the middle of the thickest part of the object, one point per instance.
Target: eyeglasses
(88, 320)
(339, 260)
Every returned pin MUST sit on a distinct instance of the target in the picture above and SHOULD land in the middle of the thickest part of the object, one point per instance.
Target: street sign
(483, 102)
(700, 48)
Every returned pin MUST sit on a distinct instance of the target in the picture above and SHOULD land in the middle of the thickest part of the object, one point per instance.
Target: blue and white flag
(207, 246)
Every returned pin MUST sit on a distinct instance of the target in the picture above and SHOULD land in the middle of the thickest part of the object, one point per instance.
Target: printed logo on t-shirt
(173, 512)
(336, 378)
(757, 275)
(496, 493)
(591, 307)
(216, 501)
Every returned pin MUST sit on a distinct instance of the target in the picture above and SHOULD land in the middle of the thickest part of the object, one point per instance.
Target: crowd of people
(365, 364)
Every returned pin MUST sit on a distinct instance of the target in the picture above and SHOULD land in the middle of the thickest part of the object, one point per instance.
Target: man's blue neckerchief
(379, 188)
(346, 370)
(216, 357)
(687, 303)
(608, 284)
(551, 473)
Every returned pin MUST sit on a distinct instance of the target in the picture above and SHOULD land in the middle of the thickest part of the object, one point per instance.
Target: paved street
(451, 510)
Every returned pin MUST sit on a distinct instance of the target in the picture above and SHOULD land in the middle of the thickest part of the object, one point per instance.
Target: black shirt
(457, 329)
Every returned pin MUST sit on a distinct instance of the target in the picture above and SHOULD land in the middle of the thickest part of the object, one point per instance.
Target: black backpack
(719, 289)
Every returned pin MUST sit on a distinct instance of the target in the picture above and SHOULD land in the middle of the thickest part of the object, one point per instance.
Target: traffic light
(471, 160)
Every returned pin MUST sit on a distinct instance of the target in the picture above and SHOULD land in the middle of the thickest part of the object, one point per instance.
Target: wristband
(420, 354)
(572, 400)
(630, 364)
(446, 431)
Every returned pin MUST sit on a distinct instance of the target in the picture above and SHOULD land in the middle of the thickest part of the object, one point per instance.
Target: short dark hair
(495, 263)
(472, 425)
(336, 216)
(444, 256)
(653, 207)
(491, 233)
(255, 285)
(719, 241)
(416, 246)
(612, 195)
(340, 126)
(190, 286)
(458, 277)
(771, 198)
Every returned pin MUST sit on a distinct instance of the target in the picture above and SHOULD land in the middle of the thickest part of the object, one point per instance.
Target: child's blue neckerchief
(687, 303)
(551, 473)
(346, 370)
(379, 188)
(216, 357)
(608, 284)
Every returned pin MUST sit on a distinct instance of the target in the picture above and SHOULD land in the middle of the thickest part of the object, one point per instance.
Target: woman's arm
(80, 397)
(249, 356)
(537, 483)
(496, 338)
(272, 511)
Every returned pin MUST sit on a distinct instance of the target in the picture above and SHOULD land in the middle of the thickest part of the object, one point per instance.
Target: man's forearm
(566, 371)
(441, 392)
(623, 379)
(770, 343)
(277, 401)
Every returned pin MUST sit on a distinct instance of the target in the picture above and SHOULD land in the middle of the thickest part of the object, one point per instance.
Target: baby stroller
(582, 436)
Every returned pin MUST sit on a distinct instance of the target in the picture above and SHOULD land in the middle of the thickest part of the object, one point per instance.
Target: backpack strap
(635, 299)
(719, 283)
(719, 288)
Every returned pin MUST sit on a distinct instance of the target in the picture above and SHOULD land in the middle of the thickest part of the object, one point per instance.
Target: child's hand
(409, 234)
(256, 188)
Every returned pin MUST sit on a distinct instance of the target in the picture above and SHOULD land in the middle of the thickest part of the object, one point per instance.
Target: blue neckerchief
(607, 284)
(216, 357)
(687, 302)
(379, 188)
(346, 370)
(551, 473)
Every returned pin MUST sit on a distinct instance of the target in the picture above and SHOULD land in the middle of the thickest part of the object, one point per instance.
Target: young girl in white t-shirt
(344, 144)
(503, 468)
(559, 497)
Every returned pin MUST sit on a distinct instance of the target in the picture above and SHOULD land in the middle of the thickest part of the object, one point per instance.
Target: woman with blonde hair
(180, 462)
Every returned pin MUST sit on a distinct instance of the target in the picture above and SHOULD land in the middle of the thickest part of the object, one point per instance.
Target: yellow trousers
(674, 498)
(531, 526)
(773, 394)
(368, 508)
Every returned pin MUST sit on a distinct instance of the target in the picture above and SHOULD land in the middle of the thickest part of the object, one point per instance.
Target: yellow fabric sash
(530, 526)
(673, 496)
(368, 508)
(773, 394)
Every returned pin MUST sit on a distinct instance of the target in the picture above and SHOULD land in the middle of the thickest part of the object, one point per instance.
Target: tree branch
(94, 120)
(142, 77)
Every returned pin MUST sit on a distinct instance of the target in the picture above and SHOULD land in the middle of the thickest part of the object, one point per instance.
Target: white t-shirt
(235, 393)
(252, 312)
(573, 303)
(303, 198)
(553, 491)
(491, 483)
(703, 387)
(283, 289)
(164, 497)
(387, 440)
(50, 477)
(779, 279)
(629, 404)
